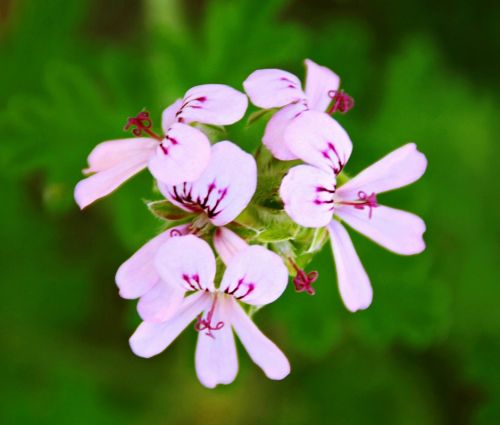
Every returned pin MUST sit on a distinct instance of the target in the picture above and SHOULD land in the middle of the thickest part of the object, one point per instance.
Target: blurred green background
(426, 352)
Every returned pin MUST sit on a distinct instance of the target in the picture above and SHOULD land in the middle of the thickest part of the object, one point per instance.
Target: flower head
(275, 88)
(312, 199)
(253, 276)
(179, 154)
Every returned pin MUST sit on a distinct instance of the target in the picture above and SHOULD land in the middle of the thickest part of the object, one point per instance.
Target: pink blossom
(312, 199)
(220, 194)
(223, 190)
(179, 154)
(254, 276)
(274, 88)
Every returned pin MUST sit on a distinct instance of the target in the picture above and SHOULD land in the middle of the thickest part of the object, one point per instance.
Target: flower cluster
(261, 229)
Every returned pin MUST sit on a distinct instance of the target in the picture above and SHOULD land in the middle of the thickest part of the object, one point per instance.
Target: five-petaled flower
(275, 88)
(219, 195)
(179, 154)
(254, 276)
(312, 199)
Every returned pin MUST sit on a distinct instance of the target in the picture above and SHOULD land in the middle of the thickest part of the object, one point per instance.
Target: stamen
(204, 324)
(303, 280)
(364, 200)
(341, 102)
(142, 123)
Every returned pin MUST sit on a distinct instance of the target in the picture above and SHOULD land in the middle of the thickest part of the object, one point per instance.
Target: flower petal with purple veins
(215, 104)
(223, 190)
(255, 276)
(273, 88)
(319, 140)
(182, 156)
(307, 193)
(186, 262)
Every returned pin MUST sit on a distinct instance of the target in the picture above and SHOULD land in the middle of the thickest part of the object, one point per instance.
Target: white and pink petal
(255, 276)
(228, 244)
(182, 156)
(160, 303)
(319, 140)
(397, 169)
(138, 275)
(150, 338)
(320, 83)
(260, 348)
(186, 262)
(216, 359)
(354, 284)
(307, 194)
(216, 104)
(398, 231)
(273, 88)
(274, 134)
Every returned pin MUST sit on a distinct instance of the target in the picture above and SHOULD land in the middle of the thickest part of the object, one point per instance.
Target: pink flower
(274, 88)
(180, 154)
(223, 190)
(312, 199)
(254, 276)
(220, 194)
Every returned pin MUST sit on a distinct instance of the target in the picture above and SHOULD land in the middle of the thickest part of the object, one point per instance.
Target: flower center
(142, 123)
(341, 102)
(209, 203)
(303, 280)
(364, 200)
(203, 324)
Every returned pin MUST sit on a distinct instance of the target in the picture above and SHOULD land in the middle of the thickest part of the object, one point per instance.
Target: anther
(142, 123)
(302, 280)
(206, 324)
(341, 102)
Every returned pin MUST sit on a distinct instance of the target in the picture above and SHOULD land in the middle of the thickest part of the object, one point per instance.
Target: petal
(273, 88)
(104, 182)
(160, 303)
(225, 187)
(215, 104)
(399, 168)
(399, 231)
(255, 276)
(227, 244)
(354, 284)
(216, 359)
(319, 82)
(138, 275)
(319, 140)
(152, 338)
(183, 155)
(114, 152)
(307, 193)
(274, 134)
(261, 349)
(169, 115)
(186, 262)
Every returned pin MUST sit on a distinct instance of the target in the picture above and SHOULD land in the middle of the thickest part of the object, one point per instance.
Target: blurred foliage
(427, 350)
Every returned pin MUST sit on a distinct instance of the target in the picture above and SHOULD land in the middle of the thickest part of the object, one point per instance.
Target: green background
(426, 352)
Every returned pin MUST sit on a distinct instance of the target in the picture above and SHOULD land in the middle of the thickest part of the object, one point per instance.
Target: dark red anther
(142, 123)
(341, 102)
(363, 201)
(206, 324)
(303, 280)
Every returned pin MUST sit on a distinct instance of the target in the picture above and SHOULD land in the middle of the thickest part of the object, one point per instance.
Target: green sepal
(167, 211)
(214, 133)
(261, 113)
